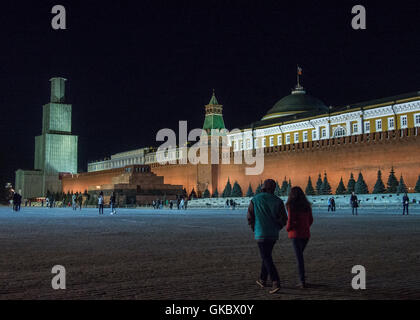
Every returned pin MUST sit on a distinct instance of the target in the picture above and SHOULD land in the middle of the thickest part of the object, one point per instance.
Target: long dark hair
(297, 200)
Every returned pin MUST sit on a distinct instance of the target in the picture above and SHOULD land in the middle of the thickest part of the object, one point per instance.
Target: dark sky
(134, 67)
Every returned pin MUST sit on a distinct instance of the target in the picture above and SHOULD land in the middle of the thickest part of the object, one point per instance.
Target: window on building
(305, 136)
(339, 132)
(314, 136)
(248, 144)
(256, 143)
(324, 133)
(355, 128)
(287, 138)
(296, 137)
(378, 125)
(391, 123)
(367, 126)
(263, 142)
(403, 121)
(279, 142)
(417, 120)
(271, 141)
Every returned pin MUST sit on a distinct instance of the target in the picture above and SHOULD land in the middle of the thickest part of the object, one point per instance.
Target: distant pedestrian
(406, 201)
(298, 225)
(186, 203)
(80, 201)
(112, 204)
(354, 202)
(101, 203)
(171, 204)
(266, 217)
(329, 205)
(181, 204)
(227, 203)
(333, 204)
(233, 205)
(178, 203)
(73, 201)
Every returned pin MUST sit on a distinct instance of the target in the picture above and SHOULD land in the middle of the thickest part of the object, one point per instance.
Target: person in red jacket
(298, 225)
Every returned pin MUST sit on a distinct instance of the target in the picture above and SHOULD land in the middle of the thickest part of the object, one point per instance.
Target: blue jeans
(267, 267)
(101, 208)
(299, 244)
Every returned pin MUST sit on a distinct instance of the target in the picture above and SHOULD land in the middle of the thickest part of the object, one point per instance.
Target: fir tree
(351, 184)
(228, 190)
(309, 188)
(289, 187)
(361, 186)
(215, 194)
(392, 183)
(249, 193)
(258, 190)
(319, 185)
(402, 188)
(341, 189)
(379, 185)
(325, 187)
(236, 190)
(283, 189)
(206, 193)
(277, 190)
(193, 195)
(417, 187)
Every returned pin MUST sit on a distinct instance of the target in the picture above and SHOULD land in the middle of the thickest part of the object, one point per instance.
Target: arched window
(339, 132)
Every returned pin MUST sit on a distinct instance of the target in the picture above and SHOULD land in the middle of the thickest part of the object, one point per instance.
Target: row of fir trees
(323, 187)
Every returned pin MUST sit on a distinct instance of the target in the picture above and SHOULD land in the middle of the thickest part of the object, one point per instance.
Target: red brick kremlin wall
(337, 157)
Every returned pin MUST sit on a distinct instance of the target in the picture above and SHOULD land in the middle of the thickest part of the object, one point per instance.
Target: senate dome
(297, 102)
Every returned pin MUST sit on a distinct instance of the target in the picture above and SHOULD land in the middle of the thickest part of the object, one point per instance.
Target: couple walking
(267, 216)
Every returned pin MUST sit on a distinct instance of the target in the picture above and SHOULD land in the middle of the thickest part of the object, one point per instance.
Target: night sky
(134, 67)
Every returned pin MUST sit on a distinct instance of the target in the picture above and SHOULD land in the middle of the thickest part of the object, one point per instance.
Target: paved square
(200, 254)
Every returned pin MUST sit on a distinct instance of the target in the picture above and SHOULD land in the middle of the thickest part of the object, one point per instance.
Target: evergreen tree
(184, 193)
(309, 188)
(283, 189)
(277, 190)
(325, 187)
(289, 188)
(402, 188)
(258, 190)
(351, 184)
(236, 190)
(228, 190)
(215, 194)
(417, 187)
(206, 193)
(379, 185)
(392, 183)
(361, 186)
(341, 189)
(249, 193)
(193, 194)
(319, 185)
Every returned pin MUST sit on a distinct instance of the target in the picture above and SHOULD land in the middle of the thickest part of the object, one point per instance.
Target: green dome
(295, 103)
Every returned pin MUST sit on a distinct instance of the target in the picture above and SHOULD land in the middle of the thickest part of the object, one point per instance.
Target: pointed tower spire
(213, 100)
(214, 115)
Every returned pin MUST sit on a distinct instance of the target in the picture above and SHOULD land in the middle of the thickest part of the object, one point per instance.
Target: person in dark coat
(112, 204)
(405, 203)
(266, 217)
(354, 202)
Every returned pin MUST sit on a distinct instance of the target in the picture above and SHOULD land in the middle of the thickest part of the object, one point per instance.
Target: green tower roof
(213, 99)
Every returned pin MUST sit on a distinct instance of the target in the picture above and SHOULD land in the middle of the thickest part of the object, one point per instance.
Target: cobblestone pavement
(200, 254)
